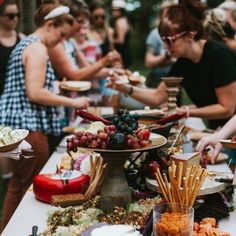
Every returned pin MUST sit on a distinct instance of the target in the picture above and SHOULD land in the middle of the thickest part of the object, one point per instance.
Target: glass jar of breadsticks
(173, 219)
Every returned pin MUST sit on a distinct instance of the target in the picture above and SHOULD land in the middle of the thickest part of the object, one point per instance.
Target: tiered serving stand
(115, 190)
(172, 84)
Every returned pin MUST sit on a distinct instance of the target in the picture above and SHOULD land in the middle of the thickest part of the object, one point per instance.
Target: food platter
(78, 86)
(115, 190)
(197, 135)
(156, 141)
(22, 133)
(227, 143)
(209, 186)
(148, 112)
(221, 157)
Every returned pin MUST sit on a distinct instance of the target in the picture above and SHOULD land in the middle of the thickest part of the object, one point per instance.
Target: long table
(31, 212)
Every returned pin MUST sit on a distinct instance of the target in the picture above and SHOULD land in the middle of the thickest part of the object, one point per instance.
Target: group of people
(203, 44)
(30, 66)
(75, 41)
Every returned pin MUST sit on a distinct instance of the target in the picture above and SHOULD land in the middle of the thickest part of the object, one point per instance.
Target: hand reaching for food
(123, 80)
(82, 102)
(210, 140)
(112, 58)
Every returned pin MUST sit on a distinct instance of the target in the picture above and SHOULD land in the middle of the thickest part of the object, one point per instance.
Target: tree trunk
(27, 9)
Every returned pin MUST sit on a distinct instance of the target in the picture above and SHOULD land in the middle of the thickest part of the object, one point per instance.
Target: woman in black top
(9, 17)
(121, 31)
(208, 68)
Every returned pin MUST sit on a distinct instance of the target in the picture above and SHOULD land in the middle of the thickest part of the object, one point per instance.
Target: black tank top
(5, 53)
(124, 50)
(105, 46)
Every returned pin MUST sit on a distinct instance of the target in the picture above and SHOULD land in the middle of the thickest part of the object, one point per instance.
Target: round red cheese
(45, 186)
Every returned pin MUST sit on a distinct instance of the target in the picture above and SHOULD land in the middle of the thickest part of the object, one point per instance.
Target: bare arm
(152, 60)
(228, 130)
(152, 97)
(121, 29)
(81, 59)
(102, 73)
(64, 67)
(225, 107)
(35, 72)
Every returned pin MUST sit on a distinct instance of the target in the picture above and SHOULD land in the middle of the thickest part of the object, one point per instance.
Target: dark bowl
(164, 130)
(143, 119)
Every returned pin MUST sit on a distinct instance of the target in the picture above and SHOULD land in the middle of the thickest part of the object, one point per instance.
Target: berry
(70, 146)
(68, 140)
(83, 139)
(120, 112)
(115, 120)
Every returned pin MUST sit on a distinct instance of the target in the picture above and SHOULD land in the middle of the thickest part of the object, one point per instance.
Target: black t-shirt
(216, 68)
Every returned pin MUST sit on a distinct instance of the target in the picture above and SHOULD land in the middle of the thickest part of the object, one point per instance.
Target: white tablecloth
(32, 212)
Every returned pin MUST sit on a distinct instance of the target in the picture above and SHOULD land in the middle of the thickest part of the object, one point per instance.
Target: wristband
(130, 90)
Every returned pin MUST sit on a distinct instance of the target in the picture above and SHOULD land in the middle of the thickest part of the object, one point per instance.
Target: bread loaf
(66, 200)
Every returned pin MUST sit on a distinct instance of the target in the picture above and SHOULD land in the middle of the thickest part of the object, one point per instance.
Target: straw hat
(116, 4)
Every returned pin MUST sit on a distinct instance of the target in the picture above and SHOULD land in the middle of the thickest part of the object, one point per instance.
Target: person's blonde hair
(216, 26)
(46, 7)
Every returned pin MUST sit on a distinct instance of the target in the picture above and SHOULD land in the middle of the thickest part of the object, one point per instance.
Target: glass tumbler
(173, 220)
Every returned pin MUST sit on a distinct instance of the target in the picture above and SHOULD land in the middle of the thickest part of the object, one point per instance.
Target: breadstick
(167, 188)
(91, 169)
(180, 173)
(161, 185)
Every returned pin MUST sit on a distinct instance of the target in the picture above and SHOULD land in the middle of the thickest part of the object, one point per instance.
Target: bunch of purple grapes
(90, 140)
(125, 122)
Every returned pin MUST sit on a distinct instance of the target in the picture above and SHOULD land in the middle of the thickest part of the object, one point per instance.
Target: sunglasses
(96, 17)
(170, 40)
(12, 16)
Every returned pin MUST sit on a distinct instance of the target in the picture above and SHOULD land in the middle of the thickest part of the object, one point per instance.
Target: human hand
(113, 58)
(114, 83)
(210, 140)
(183, 110)
(81, 102)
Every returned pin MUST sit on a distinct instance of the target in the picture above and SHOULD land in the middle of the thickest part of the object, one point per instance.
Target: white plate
(151, 112)
(209, 186)
(76, 85)
(156, 141)
(23, 133)
(221, 157)
(227, 143)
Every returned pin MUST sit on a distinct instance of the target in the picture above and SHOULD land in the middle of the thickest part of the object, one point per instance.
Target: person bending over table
(75, 66)
(27, 101)
(208, 68)
(217, 28)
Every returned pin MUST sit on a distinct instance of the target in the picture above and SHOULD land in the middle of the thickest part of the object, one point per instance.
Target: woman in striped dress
(28, 101)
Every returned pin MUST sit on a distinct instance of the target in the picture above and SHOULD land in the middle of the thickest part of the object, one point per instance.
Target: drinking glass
(173, 219)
